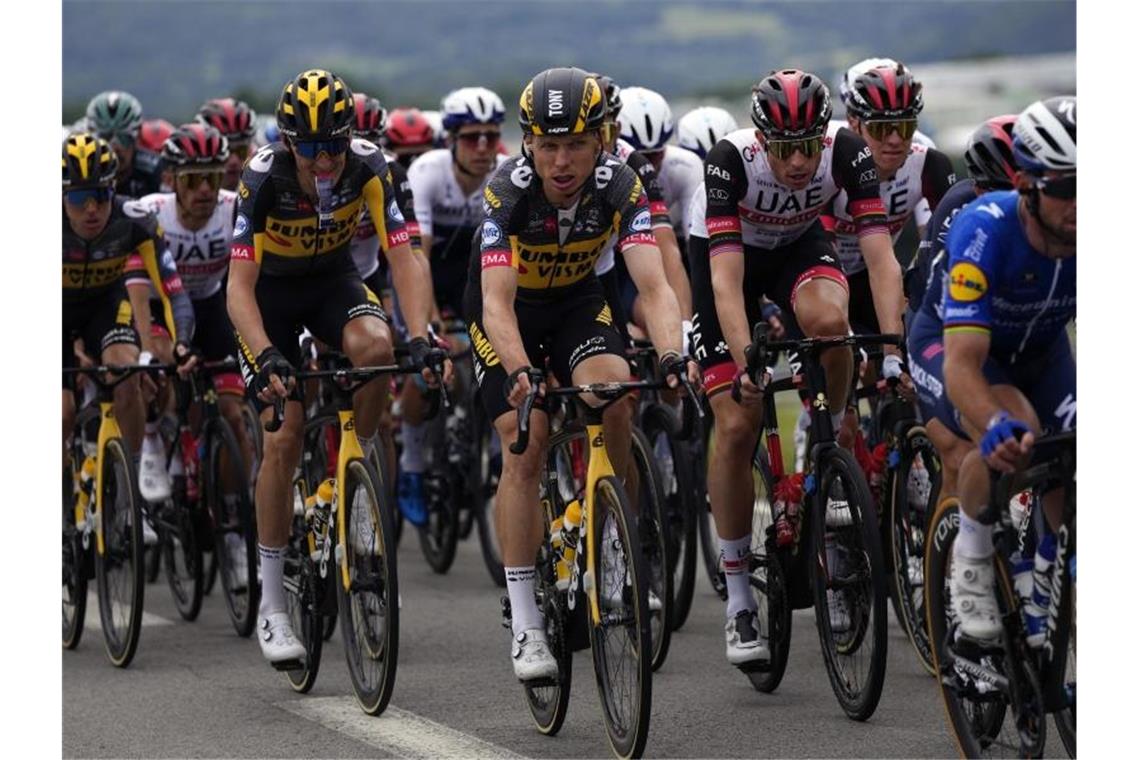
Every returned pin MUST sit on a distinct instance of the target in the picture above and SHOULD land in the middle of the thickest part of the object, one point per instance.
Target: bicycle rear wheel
(119, 568)
(234, 533)
(74, 568)
(181, 553)
(653, 535)
(549, 701)
(439, 537)
(370, 627)
(706, 525)
(975, 709)
(915, 484)
(485, 485)
(620, 642)
(773, 606)
(849, 585)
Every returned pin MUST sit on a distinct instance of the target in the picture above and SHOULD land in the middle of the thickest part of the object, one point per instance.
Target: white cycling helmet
(436, 120)
(702, 128)
(1045, 136)
(645, 119)
(847, 84)
(471, 105)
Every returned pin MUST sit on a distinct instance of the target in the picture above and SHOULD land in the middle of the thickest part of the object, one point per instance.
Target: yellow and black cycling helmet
(88, 161)
(315, 105)
(562, 101)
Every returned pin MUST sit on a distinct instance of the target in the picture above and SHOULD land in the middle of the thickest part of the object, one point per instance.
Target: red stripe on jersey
(873, 229)
(731, 246)
(241, 252)
(413, 228)
(818, 272)
(172, 285)
(637, 238)
(229, 382)
(658, 207)
(718, 377)
(719, 224)
(828, 222)
(498, 258)
(398, 237)
(867, 207)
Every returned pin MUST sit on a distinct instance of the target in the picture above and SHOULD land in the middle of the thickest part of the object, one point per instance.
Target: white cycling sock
(272, 579)
(735, 554)
(974, 541)
(520, 588)
(412, 457)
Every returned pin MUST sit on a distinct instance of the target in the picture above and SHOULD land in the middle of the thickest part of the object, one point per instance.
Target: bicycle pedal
(294, 664)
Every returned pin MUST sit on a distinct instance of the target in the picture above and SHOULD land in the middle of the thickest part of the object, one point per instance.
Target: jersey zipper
(1044, 308)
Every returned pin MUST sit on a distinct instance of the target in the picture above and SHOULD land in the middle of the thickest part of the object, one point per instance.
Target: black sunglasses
(1060, 188)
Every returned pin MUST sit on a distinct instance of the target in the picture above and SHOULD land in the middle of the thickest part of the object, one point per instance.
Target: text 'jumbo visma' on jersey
(743, 204)
(283, 230)
(130, 246)
(1000, 285)
(553, 249)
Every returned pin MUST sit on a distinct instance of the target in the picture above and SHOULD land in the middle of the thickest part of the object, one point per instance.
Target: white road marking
(402, 733)
(91, 620)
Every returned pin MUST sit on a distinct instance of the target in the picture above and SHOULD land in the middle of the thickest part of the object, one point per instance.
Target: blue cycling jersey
(928, 270)
(999, 285)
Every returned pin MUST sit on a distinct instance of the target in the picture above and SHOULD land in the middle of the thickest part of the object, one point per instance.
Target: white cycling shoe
(973, 600)
(838, 611)
(154, 481)
(278, 644)
(742, 641)
(531, 656)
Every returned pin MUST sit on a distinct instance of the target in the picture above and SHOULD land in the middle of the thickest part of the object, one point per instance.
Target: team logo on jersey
(262, 160)
(136, 210)
(241, 225)
(362, 147)
(640, 222)
(394, 211)
(967, 282)
(492, 233)
(521, 176)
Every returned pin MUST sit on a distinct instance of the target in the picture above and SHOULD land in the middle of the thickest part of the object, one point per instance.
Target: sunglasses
(310, 149)
(192, 180)
(881, 130)
(473, 138)
(1060, 188)
(785, 149)
(80, 197)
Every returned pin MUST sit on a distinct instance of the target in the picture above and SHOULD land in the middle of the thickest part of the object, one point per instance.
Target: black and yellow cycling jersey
(130, 245)
(555, 249)
(280, 227)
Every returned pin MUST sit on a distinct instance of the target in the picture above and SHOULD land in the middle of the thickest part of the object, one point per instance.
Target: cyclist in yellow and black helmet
(300, 202)
(532, 295)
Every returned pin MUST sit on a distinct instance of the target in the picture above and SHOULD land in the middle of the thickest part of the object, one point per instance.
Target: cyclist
(532, 294)
(101, 233)
(197, 220)
(409, 135)
(116, 116)
(238, 124)
(756, 230)
(447, 184)
(291, 267)
(148, 153)
(999, 345)
(702, 128)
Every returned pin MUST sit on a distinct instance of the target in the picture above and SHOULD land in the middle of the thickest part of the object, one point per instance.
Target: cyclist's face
(239, 152)
(889, 153)
(476, 146)
(1059, 215)
(89, 219)
(197, 191)
(564, 162)
(324, 165)
(796, 170)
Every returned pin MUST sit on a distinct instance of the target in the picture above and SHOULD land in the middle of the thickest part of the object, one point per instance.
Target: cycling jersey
(929, 262)
(554, 249)
(658, 209)
(202, 256)
(679, 177)
(743, 206)
(366, 242)
(925, 174)
(281, 229)
(130, 248)
(922, 208)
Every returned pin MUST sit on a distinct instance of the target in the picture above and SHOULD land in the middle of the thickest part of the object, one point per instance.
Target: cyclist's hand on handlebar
(518, 386)
(275, 378)
(186, 359)
(894, 369)
(675, 367)
(1006, 442)
(744, 391)
(431, 359)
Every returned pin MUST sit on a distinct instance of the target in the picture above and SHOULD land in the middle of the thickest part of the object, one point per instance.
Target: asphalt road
(197, 690)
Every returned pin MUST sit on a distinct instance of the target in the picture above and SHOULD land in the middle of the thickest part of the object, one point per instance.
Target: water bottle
(86, 489)
(786, 509)
(317, 509)
(569, 526)
(1036, 611)
(561, 569)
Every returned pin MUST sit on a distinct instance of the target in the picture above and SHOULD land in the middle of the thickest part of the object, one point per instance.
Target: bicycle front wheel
(119, 569)
(235, 535)
(620, 641)
(849, 584)
(304, 600)
(369, 608)
(768, 582)
(74, 568)
(653, 527)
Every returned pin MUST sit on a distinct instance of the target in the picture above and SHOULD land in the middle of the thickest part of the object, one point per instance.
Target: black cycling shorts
(861, 304)
(775, 273)
(565, 331)
(100, 322)
(324, 304)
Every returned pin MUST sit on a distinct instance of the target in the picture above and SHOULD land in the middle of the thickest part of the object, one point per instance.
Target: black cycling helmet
(790, 105)
(316, 105)
(989, 154)
(88, 161)
(612, 93)
(562, 101)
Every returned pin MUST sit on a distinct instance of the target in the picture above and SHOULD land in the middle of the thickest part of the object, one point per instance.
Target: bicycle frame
(598, 467)
(108, 429)
(349, 449)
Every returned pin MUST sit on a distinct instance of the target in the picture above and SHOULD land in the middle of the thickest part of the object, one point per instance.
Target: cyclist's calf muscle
(730, 464)
(274, 497)
(518, 521)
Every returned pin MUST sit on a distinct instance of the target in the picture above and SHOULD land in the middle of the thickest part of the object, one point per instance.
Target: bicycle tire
(304, 591)
(210, 576)
(975, 725)
(908, 540)
(181, 557)
(860, 579)
(548, 702)
(74, 566)
(121, 527)
(768, 581)
(231, 513)
(706, 525)
(677, 489)
(439, 536)
(653, 528)
(485, 479)
(611, 507)
(1066, 720)
(152, 559)
(371, 627)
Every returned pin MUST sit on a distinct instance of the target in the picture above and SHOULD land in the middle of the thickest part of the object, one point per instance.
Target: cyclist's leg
(214, 337)
(1054, 397)
(925, 358)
